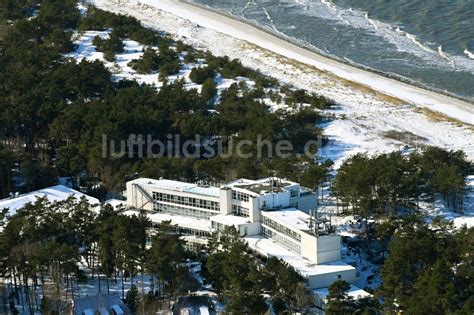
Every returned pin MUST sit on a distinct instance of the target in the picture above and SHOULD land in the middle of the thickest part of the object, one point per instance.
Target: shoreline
(219, 21)
(315, 50)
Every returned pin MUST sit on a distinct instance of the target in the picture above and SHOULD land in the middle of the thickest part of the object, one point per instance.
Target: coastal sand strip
(449, 106)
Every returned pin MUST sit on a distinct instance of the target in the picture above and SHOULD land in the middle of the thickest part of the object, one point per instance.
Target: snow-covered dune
(365, 117)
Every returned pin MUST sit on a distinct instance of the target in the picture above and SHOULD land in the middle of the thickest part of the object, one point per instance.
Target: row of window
(240, 196)
(187, 212)
(283, 241)
(216, 226)
(193, 247)
(281, 229)
(240, 211)
(191, 231)
(187, 201)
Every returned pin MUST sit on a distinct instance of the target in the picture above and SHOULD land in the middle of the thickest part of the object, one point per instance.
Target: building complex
(276, 217)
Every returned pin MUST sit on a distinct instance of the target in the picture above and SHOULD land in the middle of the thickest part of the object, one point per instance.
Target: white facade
(272, 209)
(318, 275)
(290, 228)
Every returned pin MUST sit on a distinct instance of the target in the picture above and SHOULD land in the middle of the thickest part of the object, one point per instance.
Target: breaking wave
(404, 41)
(469, 54)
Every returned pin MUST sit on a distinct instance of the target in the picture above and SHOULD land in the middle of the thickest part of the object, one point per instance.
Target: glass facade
(184, 211)
(282, 240)
(240, 196)
(216, 226)
(281, 229)
(240, 211)
(194, 247)
(190, 231)
(294, 192)
(187, 201)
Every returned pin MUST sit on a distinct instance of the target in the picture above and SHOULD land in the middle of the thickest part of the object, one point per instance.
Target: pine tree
(131, 300)
(165, 257)
(208, 89)
(200, 74)
(338, 301)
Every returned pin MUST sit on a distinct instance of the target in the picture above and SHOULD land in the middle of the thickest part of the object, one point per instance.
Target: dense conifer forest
(54, 112)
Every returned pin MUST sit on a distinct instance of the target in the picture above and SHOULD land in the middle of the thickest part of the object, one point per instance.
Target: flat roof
(262, 186)
(259, 187)
(174, 185)
(53, 194)
(229, 219)
(182, 221)
(354, 291)
(116, 203)
(291, 216)
(306, 268)
(204, 190)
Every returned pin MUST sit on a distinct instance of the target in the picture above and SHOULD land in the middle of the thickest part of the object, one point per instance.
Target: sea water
(429, 43)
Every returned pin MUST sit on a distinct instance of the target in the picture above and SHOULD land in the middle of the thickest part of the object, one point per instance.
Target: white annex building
(52, 194)
(274, 216)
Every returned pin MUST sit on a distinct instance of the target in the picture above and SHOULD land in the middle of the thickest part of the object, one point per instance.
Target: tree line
(241, 278)
(55, 110)
(389, 183)
(428, 270)
(54, 248)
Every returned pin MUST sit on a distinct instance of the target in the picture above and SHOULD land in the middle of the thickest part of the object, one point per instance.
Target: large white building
(273, 215)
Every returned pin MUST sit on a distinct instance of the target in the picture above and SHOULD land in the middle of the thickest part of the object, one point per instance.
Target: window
(193, 247)
(183, 211)
(281, 229)
(187, 201)
(240, 196)
(216, 226)
(240, 211)
(294, 193)
(282, 240)
(191, 231)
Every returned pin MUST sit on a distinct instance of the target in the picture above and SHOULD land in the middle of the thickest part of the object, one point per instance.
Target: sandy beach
(365, 121)
(449, 106)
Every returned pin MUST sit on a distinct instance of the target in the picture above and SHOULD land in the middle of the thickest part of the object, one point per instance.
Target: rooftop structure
(291, 217)
(354, 292)
(263, 186)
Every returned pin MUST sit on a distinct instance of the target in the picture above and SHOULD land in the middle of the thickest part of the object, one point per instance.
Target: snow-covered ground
(364, 119)
(52, 194)
(223, 23)
(365, 116)
(91, 288)
(120, 69)
(439, 209)
(347, 225)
